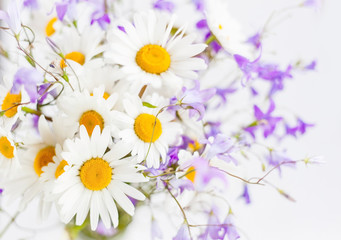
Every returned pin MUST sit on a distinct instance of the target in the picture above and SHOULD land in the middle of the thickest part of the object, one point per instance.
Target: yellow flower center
(105, 95)
(190, 174)
(96, 174)
(74, 56)
(194, 146)
(49, 30)
(60, 169)
(220, 27)
(9, 101)
(153, 59)
(44, 157)
(90, 120)
(6, 147)
(147, 127)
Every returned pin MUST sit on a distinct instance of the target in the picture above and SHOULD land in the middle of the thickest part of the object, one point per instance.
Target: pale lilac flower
(199, 4)
(301, 128)
(249, 68)
(255, 40)
(12, 17)
(107, 232)
(156, 231)
(279, 159)
(219, 230)
(204, 173)
(29, 78)
(311, 66)
(1, 190)
(231, 230)
(182, 234)
(33, 4)
(223, 92)
(164, 5)
(101, 18)
(246, 195)
(221, 147)
(194, 98)
(66, 7)
(214, 129)
(264, 121)
(316, 4)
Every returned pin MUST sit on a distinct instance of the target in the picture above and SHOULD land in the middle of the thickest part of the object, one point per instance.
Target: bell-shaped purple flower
(264, 121)
(29, 78)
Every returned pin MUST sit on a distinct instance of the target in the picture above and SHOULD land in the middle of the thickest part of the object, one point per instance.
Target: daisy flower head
(78, 49)
(9, 161)
(26, 182)
(225, 27)
(82, 108)
(11, 103)
(106, 79)
(96, 178)
(151, 55)
(147, 128)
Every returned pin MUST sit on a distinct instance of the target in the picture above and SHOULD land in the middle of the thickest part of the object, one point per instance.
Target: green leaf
(148, 105)
(30, 61)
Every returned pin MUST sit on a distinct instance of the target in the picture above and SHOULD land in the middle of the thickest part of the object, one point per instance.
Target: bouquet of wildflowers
(107, 107)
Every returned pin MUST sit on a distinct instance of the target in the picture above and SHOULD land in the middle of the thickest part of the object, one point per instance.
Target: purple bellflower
(12, 17)
(156, 231)
(300, 128)
(221, 147)
(311, 66)
(264, 121)
(278, 159)
(103, 231)
(194, 99)
(219, 230)
(255, 40)
(204, 173)
(270, 72)
(249, 68)
(29, 78)
(164, 5)
(246, 195)
(33, 4)
(182, 233)
(66, 8)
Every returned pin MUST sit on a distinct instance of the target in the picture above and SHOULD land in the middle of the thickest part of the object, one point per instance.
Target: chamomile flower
(10, 103)
(147, 130)
(225, 28)
(83, 109)
(95, 179)
(9, 161)
(107, 80)
(78, 50)
(151, 55)
(26, 182)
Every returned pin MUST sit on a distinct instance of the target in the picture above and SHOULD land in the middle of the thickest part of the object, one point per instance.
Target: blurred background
(310, 33)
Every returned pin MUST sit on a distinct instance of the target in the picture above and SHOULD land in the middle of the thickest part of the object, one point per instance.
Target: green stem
(8, 225)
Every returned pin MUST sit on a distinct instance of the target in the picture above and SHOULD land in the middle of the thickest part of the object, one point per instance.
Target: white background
(316, 214)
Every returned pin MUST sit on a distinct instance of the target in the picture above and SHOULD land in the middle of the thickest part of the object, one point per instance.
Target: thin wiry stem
(182, 211)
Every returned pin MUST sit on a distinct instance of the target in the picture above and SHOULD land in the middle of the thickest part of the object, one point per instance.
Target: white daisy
(80, 47)
(9, 161)
(10, 108)
(150, 54)
(106, 79)
(225, 28)
(26, 182)
(83, 109)
(95, 178)
(146, 130)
